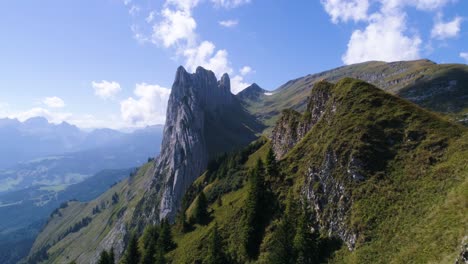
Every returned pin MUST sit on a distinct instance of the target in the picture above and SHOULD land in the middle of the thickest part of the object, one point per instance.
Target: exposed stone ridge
(253, 92)
(184, 155)
(292, 126)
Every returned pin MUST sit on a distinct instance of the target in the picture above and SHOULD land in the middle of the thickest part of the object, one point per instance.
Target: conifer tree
(148, 256)
(305, 241)
(111, 256)
(282, 250)
(159, 257)
(215, 253)
(201, 209)
(104, 258)
(253, 222)
(271, 164)
(132, 255)
(165, 237)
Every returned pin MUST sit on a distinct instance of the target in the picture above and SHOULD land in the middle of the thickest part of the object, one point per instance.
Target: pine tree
(282, 250)
(201, 209)
(306, 241)
(104, 258)
(215, 253)
(271, 165)
(159, 257)
(182, 223)
(253, 222)
(148, 256)
(111, 256)
(165, 237)
(132, 255)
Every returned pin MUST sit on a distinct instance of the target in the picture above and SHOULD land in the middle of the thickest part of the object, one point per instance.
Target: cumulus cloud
(106, 89)
(383, 39)
(51, 116)
(177, 26)
(464, 55)
(230, 3)
(205, 55)
(147, 108)
(245, 70)
(238, 84)
(53, 102)
(385, 36)
(228, 23)
(345, 10)
(134, 10)
(444, 30)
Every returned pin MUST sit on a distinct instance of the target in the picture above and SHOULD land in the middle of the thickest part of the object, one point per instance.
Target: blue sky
(111, 63)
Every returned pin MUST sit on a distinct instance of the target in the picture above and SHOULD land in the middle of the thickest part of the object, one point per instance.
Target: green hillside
(437, 87)
(386, 181)
(374, 179)
(107, 216)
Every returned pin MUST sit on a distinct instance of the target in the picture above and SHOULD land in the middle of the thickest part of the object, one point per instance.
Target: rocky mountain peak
(197, 106)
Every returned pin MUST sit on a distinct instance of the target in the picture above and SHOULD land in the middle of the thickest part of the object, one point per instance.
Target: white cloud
(345, 10)
(53, 102)
(127, 2)
(150, 17)
(245, 70)
(184, 5)
(177, 30)
(238, 84)
(383, 39)
(149, 106)
(464, 55)
(205, 55)
(177, 27)
(444, 30)
(51, 116)
(230, 3)
(386, 35)
(228, 23)
(106, 89)
(134, 10)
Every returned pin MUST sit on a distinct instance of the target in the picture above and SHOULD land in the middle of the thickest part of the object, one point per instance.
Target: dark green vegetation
(437, 87)
(368, 178)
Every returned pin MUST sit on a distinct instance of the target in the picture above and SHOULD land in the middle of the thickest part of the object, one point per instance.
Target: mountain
(37, 138)
(31, 190)
(438, 87)
(351, 174)
(24, 212)
(204, 119)
(101, 149)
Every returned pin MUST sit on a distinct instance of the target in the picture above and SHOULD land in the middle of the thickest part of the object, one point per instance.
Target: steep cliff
(293, 126)
(204, 119)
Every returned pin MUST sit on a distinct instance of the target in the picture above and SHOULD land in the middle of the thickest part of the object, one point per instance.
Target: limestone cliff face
(325, 193)
(293, 126)
(194, 133)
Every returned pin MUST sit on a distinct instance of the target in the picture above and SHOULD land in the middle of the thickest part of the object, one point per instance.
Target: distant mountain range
(49, 154)
(37, 138)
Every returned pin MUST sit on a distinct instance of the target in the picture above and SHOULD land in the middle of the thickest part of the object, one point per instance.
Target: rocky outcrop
(293, 126)
(203, 119)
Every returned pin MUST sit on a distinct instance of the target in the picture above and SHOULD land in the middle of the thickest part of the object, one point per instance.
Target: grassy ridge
(422, 81)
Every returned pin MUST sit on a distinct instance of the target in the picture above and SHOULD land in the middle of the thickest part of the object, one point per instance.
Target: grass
(406, 79)
(84, 245)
